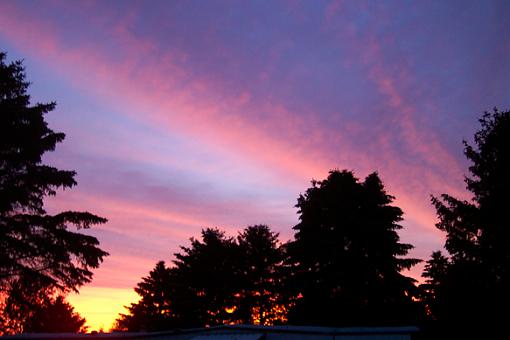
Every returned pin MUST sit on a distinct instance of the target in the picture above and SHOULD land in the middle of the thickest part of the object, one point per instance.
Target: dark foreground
(249, 333)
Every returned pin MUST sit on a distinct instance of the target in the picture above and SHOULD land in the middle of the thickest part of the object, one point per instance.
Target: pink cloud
(148, 89)
(292, 148)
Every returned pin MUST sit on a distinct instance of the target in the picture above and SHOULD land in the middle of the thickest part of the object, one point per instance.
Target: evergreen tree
(55, 316)
(435, 272)
(262, 297)
(207, 281)
(474, 286)
(31, 307)
(200, 290)
(214, 281)
(346, 257)
(154, 311)
(33, 243)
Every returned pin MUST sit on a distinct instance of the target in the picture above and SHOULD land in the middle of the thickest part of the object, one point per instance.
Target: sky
(181, 115)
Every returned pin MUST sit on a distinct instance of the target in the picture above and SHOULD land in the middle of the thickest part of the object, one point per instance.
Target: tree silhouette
(31, 307)
(207, 281)
(154, 311)
(346, 257)
(55, 316)
(262, 297)
(435, 272)
(217, 280)
(34, 244)
(200, 290)
(474, 286)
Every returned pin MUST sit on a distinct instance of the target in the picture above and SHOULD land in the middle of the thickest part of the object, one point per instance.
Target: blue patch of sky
(112, 130)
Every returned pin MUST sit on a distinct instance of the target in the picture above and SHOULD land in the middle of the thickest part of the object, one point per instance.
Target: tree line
(342, 268)
(344, 265)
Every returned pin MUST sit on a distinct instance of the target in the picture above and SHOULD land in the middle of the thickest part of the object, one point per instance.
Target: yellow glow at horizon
(100, 306)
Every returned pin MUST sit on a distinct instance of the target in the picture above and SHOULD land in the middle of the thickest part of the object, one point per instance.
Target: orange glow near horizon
(100, 306)
(275, 314)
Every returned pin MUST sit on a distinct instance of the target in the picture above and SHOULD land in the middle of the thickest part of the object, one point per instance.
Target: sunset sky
(181, 115)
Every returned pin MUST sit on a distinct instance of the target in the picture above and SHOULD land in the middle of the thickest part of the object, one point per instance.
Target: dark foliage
(217, 280)
(346, 257)
(207, 280)
(198, 291)
(473, 286)
(435, 272)
(154, 310)
(34, 244)
(262, 297)
(32, 308)
(55, 316)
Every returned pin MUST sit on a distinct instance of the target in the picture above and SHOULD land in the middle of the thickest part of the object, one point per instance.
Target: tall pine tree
(347, 258)
(471, 287)
(33, 243)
